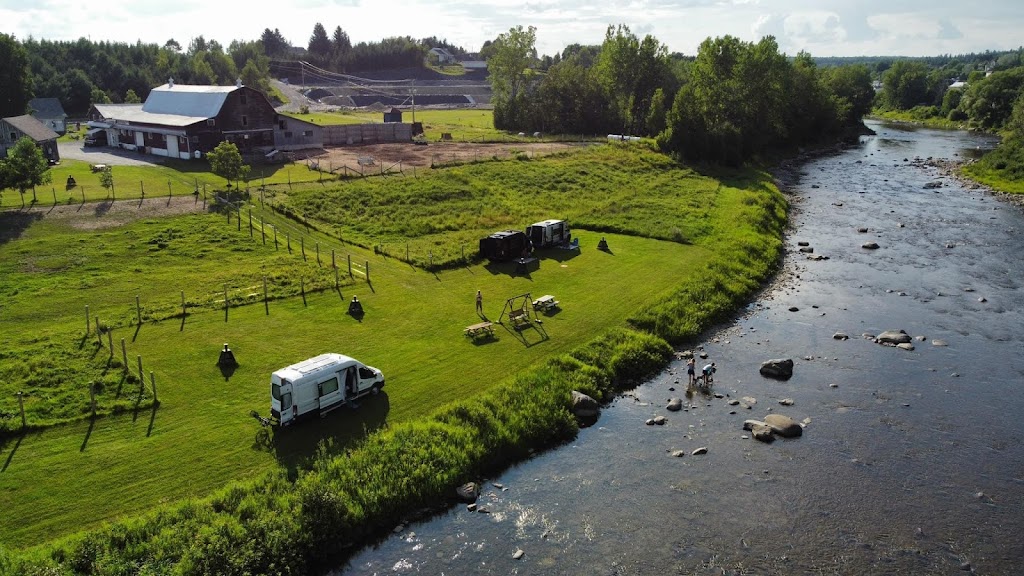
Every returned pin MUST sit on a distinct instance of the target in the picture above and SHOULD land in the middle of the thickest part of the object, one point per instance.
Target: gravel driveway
(104, 155)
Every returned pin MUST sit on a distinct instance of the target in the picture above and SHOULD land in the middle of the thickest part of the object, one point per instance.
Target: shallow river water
(911, 462)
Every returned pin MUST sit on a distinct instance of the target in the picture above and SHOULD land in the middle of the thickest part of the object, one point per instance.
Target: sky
(821, 27)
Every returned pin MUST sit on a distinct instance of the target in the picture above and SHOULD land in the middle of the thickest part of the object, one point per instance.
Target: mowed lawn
(201, 436)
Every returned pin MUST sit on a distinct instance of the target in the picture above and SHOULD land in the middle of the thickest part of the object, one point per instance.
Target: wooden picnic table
(481, 329)
(545, 302)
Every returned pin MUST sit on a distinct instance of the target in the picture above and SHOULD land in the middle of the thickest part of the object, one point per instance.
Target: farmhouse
(14, 128)
(441, 55)
(187, 121)
(50, 113)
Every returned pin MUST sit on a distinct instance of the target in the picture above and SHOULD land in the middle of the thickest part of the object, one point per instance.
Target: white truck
(319, 385)
(548, 233)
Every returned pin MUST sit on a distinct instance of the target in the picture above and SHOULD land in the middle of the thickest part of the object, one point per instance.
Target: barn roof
(193, 101)
(46, 108)
(31, 127)
(136, 113)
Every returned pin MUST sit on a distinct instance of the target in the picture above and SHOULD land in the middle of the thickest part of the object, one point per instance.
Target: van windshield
(275, 391)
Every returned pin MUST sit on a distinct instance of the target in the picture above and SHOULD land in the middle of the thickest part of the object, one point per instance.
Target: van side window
(329, 387)
(286, 401)
(365, 373)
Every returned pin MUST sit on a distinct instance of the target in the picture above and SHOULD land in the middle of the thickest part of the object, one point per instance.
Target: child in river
(709, 373)
(691, 367)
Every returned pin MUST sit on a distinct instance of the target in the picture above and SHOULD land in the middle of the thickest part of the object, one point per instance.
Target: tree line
(82, 72)
(335, 51)
(735, 100)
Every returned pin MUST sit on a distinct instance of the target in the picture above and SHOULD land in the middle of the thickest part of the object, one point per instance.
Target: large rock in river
(893, 337)
(777, 368)
(675, 404)
(468, 492)
(783, 425)
(584, 406)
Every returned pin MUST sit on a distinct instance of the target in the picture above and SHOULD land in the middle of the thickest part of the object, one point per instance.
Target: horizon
(826, 29)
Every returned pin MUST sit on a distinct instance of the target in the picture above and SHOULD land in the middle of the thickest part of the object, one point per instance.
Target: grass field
(663, 229)
(464, 124)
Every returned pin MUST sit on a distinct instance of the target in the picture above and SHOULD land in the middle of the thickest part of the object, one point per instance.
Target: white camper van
(319, 385)
(548, 233)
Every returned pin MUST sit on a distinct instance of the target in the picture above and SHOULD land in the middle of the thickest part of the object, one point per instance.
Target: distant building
(188, 121)
(50, 112)
(443, 56)
(960, 85)
(474, 65)
(393, 115)
(16, 127)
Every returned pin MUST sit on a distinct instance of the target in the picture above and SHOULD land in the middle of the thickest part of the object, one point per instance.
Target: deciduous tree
(25, 167)
(226, 161)
(15, 78)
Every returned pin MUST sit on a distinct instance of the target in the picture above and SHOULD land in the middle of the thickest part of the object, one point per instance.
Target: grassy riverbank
(686, 248)
(1001, 169)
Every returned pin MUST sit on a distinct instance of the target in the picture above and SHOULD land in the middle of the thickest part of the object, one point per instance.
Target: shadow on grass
(296, 445)
(88, 434)
(10, 455)
(14, 224)
(556, 254)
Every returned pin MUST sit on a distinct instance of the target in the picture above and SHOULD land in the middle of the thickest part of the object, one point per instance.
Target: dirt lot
(373, 157)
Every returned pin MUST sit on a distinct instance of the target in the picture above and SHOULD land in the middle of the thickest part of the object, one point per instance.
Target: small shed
(393, 116)
(50, 112)
(14, 128)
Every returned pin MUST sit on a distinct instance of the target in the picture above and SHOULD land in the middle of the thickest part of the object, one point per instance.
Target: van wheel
(375, 390)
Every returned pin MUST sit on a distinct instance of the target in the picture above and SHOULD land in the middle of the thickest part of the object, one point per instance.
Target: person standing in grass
(479, 303)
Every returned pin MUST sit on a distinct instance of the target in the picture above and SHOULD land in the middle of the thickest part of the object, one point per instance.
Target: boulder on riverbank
(870, 245)
(675, 404)
(468, 492)
(583, 406)
(781, 368)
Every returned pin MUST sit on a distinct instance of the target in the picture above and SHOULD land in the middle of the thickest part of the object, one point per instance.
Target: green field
(666, 226)
(464, 124)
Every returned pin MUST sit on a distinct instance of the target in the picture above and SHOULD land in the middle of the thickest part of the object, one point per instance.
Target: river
(910, 462)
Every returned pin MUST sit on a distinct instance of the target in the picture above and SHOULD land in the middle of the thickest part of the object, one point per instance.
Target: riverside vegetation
(190, 484)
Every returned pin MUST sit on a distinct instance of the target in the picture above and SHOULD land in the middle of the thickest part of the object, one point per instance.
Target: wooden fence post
(302, 241)
(138, 308)
(263, 231)
(288, 237)
(367, 271)
(317, 253)
(124, 354)
(275, 237)
(350, 266)
(142, 188)
(184, 311)
(250, 223)
(333, 262)
(110, 342)
(240, 218)
(266, 303)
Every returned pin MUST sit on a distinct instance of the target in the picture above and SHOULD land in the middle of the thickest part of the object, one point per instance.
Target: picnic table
(545, 303)
(481, 329)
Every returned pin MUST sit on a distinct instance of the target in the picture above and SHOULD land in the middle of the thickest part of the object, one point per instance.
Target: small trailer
(505, 245)
(319, 385)
(548, 233)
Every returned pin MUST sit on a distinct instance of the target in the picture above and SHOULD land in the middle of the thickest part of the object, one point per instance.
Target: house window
(281, 124)
(211, 122)
(14, 136)
(307, 133)
(182, 140)
(245, 120)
